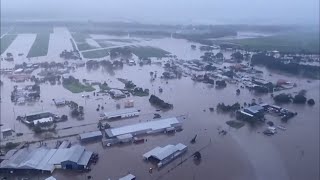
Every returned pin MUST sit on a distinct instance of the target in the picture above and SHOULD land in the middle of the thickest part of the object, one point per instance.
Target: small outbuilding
(91, 136)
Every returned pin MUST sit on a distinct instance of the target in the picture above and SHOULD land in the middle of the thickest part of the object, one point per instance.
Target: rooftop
(161, 153)
(254, 109)
(44, 158)
(120, 112)
(128, 177)
(90, 134)
(146, 126)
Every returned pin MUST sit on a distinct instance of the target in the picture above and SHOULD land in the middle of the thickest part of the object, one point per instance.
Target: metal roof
(125, 136)
(162, 153)
(128, 177)
(90, 135)
(146, 126)
(85, 157)
(64, 144)
(120, 112)
(255, 108)
(51, 178)
(44, 158)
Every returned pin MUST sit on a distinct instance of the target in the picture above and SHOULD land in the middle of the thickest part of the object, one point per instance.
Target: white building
(164, 155)
(122, 113)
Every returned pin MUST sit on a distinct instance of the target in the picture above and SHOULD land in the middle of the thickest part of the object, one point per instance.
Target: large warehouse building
(44, 159)
(145, 128)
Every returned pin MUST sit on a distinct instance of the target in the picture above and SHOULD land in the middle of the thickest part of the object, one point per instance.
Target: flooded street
(241, 154)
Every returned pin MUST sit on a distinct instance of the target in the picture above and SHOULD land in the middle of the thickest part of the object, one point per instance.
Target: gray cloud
(168, 11)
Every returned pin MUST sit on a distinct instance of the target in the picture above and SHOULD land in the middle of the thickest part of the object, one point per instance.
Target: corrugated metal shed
(89, 135)
(121, 112)
(128, 177)
(65, 144)
(162, 153)
(146, 127)
(51, 178)
(85, 157)
(44, 158)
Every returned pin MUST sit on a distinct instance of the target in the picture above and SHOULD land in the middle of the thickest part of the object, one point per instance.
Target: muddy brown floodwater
(242, 154)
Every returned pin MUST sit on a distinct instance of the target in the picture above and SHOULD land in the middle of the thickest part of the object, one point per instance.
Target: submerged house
(256, 110)
(164, 155)
(30, 118)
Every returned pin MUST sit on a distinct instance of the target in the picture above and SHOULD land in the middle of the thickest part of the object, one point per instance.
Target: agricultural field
(74, 47)
(84, 41)
(103, 43)
(80, 37)
(148, 51)
(40, 46)
(84, 46)
(32, 29)
(95, 53)
(290, 42)
(6, 41)
(4, 29)
(123, 40)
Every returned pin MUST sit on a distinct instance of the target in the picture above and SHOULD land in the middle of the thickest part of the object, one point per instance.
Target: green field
(6, 41)
(32, 29)
(80, 37)
(78, 87)
(85, 46)
(122, 40)
(104, 43)
(39, 46)
(96, 53)
(148, 51)
(74, 47)
(293, 42)
(4, 29)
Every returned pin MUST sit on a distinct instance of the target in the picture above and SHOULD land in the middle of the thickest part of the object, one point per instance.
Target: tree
(311, 102)
(99, 125)
(197, 155)
(37, 128)
(219, 55)
(282, 98)
(299, 99)
(237, 56)
(64, 117)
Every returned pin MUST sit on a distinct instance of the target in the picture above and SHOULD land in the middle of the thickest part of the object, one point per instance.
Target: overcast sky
(167, 11)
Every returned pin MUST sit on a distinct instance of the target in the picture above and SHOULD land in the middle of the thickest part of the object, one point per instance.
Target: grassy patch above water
(6, 41)
(85, 46)
(293, 42)
(104, 43)
(148, 51)
(235, 124)
(77, 87)
(74, 47)
(32, 29)
(123, 40)
(80, 37)
(39, 46)
(95, 54)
